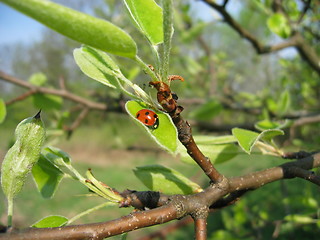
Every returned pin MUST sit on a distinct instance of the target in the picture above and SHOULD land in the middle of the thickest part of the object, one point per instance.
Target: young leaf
(38, 79)
(78, 26)
(284, 103)
(268, 124)
(51, 221)
(247, 139)
(46, 176)
(278, 24)
(3, 110)
(22, 155)
(56, 156)
(97, 65)
(165, 135)
(147, 16)
(165, 180)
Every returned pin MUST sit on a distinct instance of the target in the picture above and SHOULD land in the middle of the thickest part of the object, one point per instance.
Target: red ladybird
(148, 118)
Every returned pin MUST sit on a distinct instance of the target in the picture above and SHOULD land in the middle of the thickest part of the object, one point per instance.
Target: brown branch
(21, 97)
(306, 120)
(177, 206)
(200, 228)
(169, 104)
(304, 174)
(260, 178)
(62, 93)
(98, 230)
(304, 10)
(162, 233)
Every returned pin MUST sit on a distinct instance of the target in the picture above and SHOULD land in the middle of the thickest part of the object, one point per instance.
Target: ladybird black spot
(138, 115)
(155, 115)
(146, 121)
(147, 113)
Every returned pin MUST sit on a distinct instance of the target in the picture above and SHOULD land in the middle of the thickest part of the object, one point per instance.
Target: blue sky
(16, 27)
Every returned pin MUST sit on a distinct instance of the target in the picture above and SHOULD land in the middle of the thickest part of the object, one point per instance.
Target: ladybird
(148, 118)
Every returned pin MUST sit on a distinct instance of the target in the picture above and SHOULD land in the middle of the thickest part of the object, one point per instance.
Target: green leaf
(56, 156)
(3, 110)
(268, 124)
(247, 139)
(47, 101)
(147, 16)
(217, 153)
(46, 176)
(268, 135)
(38, 79)
(22, 155)
(279, 25)
(165, 180)
(284, 103)
(78, 26)
(165, 135)
(207, 111)
(51, 221)
(97, 65)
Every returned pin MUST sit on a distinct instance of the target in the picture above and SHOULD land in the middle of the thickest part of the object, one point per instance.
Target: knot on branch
(143, 200)
(200, 213)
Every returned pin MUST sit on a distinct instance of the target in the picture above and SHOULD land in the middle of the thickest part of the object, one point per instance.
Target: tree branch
(296, 40)
(200, 227)
(63, 93)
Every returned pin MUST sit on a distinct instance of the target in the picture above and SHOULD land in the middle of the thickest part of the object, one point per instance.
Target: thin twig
(63, 93)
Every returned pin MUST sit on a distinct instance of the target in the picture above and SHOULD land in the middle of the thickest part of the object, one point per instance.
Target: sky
(16, 27)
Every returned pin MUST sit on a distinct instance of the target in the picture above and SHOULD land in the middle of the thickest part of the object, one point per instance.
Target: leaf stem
(10, 212)
(146, 68)
(168, 32)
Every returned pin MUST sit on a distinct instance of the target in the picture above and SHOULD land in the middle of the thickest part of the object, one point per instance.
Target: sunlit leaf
(247, 139)
(51, 221)
(147, 16)
(278, 24)
(38, 79)
(268, 124)
(97, 65)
